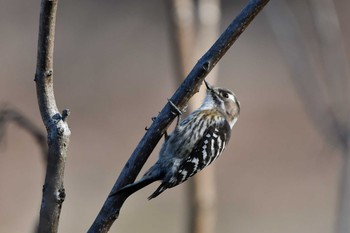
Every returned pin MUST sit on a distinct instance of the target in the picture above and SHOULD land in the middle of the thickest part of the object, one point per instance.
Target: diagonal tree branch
(110, 210)
(55, 123)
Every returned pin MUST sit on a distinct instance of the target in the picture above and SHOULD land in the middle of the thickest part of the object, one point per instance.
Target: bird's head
(224, 101)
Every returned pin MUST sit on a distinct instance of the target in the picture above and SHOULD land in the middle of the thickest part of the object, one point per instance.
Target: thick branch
(57, 128)
(188, 88)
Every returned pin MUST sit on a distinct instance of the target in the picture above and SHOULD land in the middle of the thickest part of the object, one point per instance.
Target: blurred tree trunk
(189, 41)
(181, 15)
(202, 188)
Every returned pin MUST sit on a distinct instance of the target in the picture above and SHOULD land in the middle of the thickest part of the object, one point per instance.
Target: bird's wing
(206, 150)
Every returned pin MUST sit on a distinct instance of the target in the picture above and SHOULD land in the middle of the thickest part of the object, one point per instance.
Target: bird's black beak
(208, 85)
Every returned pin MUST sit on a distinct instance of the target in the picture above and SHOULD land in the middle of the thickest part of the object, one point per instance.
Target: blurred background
(113, 69)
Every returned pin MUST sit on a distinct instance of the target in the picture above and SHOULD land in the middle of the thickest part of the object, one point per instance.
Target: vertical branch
(189, 41)
(335, 65)
(202, 189)
(182, 35)
(58, 132)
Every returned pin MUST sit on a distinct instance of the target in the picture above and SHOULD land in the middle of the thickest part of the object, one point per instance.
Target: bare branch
(333, 58)
(110, 210)
(335, 64)
(8, 115)
(56, 125)
(330, 115)
(300, 61)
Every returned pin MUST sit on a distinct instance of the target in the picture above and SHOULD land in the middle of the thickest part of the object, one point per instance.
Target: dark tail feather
(134, 187)
(158, 191)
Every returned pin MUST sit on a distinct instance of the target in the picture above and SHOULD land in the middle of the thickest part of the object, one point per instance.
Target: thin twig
(8, 115)
(55, 123)
(110, 210)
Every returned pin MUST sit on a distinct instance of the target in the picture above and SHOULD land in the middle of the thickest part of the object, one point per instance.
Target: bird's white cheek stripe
(232, 97)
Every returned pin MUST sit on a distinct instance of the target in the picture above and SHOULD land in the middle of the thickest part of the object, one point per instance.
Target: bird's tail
(159, 190)
(134, 187)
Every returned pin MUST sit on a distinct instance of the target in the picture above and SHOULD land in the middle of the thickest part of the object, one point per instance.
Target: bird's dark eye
(225, 95)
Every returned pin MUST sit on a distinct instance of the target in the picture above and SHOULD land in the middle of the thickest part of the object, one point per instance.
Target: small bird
(194, 144)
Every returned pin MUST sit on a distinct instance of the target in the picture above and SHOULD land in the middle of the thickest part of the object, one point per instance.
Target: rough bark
(58, 132)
